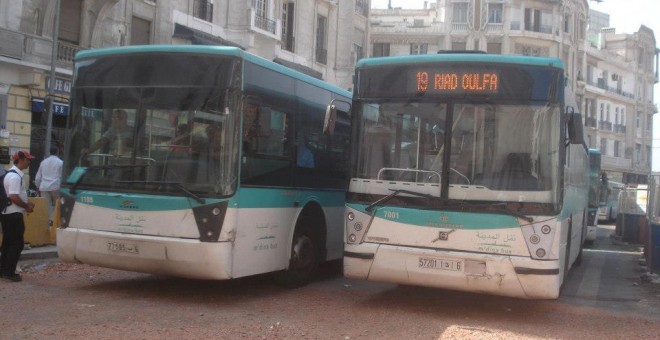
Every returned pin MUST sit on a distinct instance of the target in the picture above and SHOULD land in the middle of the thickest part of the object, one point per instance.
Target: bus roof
(594, 150)
(208, 49)
(462, 57)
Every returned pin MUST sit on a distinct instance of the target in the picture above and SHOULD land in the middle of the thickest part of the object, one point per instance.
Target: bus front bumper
(148, 254)
(512, 276)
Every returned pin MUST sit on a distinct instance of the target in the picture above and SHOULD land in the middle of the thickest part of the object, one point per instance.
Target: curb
(39, 253)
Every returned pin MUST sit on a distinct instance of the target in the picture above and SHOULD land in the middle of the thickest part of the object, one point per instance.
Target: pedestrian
(48, 180)
(13, 225)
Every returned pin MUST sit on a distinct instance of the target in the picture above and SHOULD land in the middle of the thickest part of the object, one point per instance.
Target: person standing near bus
(48, 180)
(13, 224)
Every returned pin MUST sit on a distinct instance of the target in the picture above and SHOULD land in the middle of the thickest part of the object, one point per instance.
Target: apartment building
(322, 38)
(617, 72)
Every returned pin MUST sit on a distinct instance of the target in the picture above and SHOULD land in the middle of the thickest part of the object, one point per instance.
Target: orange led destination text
(463, 82)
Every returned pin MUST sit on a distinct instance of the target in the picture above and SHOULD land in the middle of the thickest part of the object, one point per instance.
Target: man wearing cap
(13, 225)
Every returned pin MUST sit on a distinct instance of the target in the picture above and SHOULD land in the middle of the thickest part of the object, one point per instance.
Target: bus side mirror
(575, 128)
(330, 119)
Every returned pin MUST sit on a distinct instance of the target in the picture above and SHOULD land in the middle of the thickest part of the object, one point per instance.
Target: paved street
(604, 298)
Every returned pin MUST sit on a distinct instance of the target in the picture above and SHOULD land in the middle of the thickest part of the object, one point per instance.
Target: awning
(198, 37)
(59, 109)
(300, 68)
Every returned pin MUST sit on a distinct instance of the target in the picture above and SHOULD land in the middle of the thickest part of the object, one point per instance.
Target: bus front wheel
(303, 262)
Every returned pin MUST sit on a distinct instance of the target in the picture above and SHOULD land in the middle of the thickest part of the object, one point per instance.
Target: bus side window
(266, 146)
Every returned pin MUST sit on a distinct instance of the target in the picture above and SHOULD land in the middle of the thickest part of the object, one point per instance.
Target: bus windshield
(164, 123)
(488, 152)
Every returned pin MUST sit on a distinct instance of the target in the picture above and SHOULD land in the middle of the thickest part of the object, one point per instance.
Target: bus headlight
(355, 226)
(540, 252)
(546, 229)
(534, 239)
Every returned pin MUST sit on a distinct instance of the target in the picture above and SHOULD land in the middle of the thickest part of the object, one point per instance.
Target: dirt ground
(58, 301)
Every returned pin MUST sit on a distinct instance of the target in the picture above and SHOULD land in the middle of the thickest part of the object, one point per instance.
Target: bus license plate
(118, 247)
(441, 264)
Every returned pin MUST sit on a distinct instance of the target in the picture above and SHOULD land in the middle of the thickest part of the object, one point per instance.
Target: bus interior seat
(517, 173)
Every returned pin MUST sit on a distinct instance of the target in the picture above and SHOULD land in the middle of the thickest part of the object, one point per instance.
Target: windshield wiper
(189, 193)
(393, 194)
(101, 167)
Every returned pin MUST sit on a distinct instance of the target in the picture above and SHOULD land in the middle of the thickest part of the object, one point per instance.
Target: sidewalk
(39, 253)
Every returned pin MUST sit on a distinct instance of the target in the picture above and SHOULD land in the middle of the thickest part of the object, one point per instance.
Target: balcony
(266, 26)
(601, 85)
(36, 49)
(618, 128)
(494, 28)
(404, 27)
(590, 122)
(459, 26)
(66, 52)
(605, 126)
(616, 163)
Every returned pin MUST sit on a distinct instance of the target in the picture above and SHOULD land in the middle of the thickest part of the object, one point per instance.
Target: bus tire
(304, 259)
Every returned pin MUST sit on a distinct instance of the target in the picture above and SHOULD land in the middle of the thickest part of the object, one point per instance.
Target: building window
(567, 23)
(362, 7)
(460, 13)
(358, 44)
(419, 48)
(381, 50)
(321, 39)
(70, 13)
(203, 9)
(603, 146)
(537, 21)
(140, 31)
(288, 15)
(617, 148)
(495, 13)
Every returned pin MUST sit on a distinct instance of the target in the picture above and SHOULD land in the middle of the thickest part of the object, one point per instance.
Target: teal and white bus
(467, 173)
(595, 187)
(221, 171)
(609, 201)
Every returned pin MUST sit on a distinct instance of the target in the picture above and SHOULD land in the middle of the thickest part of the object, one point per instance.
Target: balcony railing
(605, 126)
(265, 23)
(66, 51)
(619, 128)
(590, 122)
(600, 83)
(494, 27)
(322, 56)
(459, 26)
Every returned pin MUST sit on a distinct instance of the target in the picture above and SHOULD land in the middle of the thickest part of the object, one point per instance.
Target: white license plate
(442, 264)
(119, 247)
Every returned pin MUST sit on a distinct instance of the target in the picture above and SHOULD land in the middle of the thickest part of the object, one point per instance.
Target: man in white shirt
(48, 180)
(13, 225)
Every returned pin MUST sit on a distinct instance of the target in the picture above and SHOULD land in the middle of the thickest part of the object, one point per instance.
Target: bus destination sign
(480, 82)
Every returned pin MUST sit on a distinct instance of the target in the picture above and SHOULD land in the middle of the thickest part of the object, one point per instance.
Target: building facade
(322, 38)
(618, 73)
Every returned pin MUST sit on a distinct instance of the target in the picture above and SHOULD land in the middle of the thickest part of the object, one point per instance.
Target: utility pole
(51, 86)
